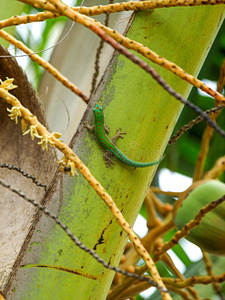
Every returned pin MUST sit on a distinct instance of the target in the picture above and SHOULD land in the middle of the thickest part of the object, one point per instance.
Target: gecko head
(97, 110)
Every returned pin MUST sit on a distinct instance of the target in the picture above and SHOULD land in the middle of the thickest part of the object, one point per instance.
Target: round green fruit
(210, 234)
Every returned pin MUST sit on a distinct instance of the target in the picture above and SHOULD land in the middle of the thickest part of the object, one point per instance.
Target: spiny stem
(193, 122)
(126, 6)
(143, 5)
(103, 9)
(11, 167)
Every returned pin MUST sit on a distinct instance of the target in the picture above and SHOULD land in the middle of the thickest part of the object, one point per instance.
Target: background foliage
(181, 157)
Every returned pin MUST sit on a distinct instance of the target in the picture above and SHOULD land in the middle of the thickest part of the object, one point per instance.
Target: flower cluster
(35, 129)
(47, 139)
(14, 113)
(66, 165)
(7, 84)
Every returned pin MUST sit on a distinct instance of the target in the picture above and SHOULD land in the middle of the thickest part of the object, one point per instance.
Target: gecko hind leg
(109, 154)
(108, 162)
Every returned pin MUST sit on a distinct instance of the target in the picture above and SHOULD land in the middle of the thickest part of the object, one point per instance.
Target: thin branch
(209, 268)
(46, 65)
(193, 122)
(98, 55)
(126, 6)
(129, 44)
(208, 132)
(194, 280)
(157, 190)
(185, 230)
(217, 169)
(173, 284)
(40, 4)
(169, 263)
(144, 5)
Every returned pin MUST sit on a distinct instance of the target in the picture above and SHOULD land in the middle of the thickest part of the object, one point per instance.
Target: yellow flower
(7, 84)
(56, 135)
(24, 124)
(71, 164)
(47, 139)
(63, 161)
(68, 165)
(33, 132)
(14, 113)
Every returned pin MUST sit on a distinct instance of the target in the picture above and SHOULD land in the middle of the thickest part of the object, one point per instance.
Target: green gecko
(101, 131)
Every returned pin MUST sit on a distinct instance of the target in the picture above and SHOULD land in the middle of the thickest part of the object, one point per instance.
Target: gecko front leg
(92, 127)
(88, 126)
(118, 134)
(107, 129)
(109, 154)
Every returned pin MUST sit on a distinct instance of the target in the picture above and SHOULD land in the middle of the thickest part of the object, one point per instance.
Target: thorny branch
(193, 122)
(11, 167)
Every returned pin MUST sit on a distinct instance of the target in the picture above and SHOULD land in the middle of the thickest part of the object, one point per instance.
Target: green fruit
(210, 234)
